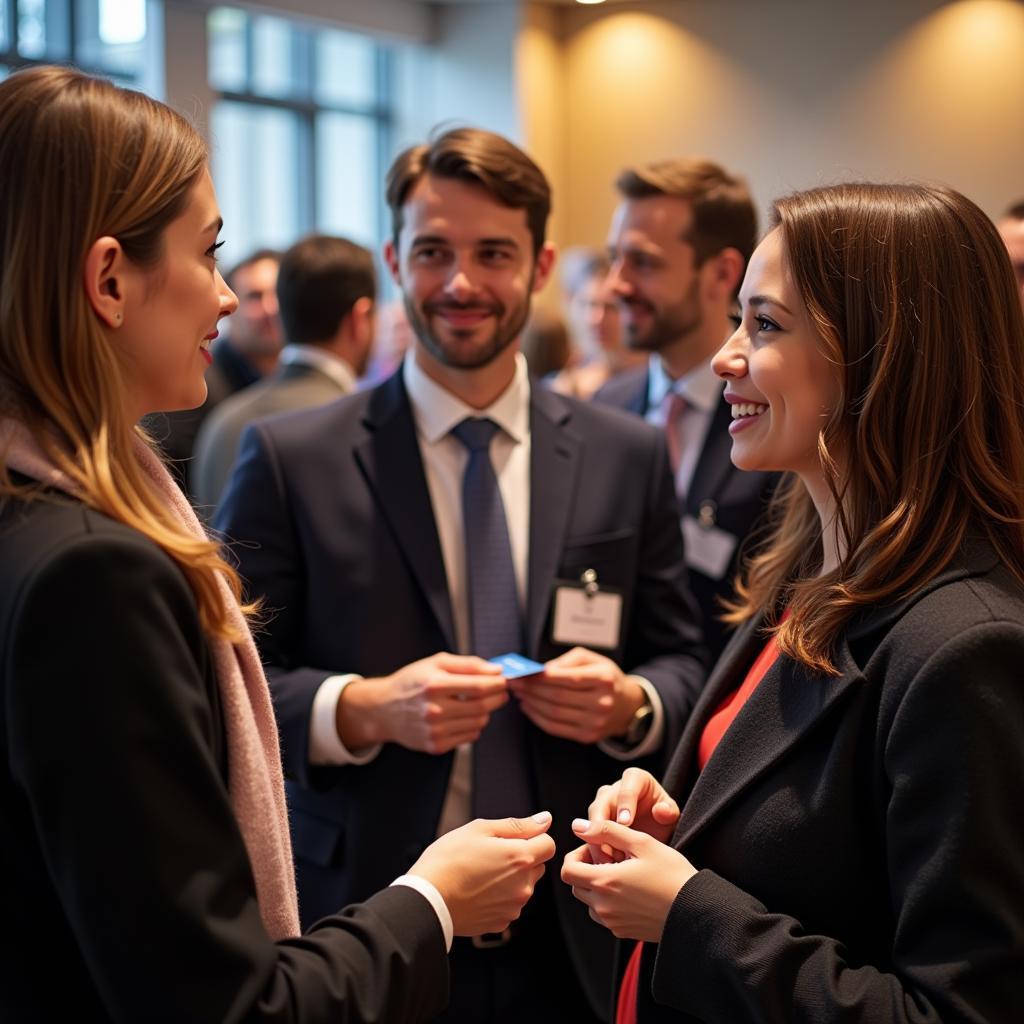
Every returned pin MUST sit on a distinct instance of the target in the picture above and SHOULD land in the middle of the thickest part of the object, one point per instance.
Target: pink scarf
(255, 780)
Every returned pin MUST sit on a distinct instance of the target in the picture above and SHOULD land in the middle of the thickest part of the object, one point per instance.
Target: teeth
(747, 409)
(205, 343)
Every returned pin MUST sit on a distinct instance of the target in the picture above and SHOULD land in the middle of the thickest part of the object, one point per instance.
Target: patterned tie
(501, 771)
(673, 406)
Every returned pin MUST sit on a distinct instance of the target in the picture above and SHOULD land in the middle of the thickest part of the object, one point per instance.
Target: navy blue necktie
(501, 771)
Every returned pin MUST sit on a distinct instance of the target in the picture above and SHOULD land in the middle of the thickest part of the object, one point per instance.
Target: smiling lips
(204, 347)
(744, 414)
(463, 316)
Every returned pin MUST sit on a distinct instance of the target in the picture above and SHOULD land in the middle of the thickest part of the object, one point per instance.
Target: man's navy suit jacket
(719, 495)
(335, 530)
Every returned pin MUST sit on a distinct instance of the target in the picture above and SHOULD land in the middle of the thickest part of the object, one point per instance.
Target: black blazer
(336, 530)
(719, 495)
(125, 885)
(860, 838)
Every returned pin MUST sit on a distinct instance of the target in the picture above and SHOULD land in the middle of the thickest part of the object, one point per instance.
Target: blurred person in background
(247, 353)
(326, 289)
(545, 344)
(392, 339)
(679, 240)
(598, 350)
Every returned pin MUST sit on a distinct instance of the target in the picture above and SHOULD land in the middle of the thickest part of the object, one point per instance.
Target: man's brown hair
(477, 157)
(723, 212)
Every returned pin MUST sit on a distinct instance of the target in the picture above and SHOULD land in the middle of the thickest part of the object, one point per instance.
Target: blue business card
(515, 666)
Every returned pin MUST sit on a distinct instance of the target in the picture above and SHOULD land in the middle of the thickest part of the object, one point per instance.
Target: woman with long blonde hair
(147, 868)
(849, 845)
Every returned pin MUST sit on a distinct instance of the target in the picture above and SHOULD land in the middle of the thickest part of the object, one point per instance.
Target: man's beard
(507, 327)
(665, 325)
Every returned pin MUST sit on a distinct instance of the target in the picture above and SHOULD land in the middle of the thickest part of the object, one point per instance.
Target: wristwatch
(641, 721)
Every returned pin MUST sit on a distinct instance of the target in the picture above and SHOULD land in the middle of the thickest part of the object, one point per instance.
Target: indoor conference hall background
(512, 508)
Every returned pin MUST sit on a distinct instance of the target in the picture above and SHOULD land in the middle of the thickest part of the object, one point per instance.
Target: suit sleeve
(665, 641)
(953, 762)
(255, 510)
(116, 748)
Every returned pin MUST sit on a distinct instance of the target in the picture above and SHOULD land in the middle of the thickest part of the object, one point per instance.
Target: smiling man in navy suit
(404, 536)
(679, 242)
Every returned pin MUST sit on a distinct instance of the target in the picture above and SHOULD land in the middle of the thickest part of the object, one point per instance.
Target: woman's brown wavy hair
(81, 158)
(912, 292)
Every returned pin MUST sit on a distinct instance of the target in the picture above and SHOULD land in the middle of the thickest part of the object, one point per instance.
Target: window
(107, 37)
(299, 131)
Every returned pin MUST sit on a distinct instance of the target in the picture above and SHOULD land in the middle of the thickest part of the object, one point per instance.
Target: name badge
(709, 549)
(585, 615)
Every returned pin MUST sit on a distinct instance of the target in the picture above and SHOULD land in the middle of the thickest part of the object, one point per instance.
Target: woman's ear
(104, 280)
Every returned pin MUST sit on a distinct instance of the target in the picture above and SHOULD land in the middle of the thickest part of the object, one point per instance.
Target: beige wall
(792, 93)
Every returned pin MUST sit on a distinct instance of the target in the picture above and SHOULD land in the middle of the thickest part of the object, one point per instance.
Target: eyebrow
(441, 240)
(511, 243)
(218, 224)
(767, 300)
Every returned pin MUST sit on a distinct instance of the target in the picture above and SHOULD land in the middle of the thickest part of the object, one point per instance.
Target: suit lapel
(554, 463)
(638, 401)
(390, 460)
(786, 705)
(715, 462)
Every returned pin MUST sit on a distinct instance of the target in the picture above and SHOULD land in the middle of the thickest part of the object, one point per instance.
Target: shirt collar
(320, 359)
(701, 387)
(436, 410)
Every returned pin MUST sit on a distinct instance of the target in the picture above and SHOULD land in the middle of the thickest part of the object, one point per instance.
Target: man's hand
(581, 696)
(486, 871)
(631, 895)
(432, 705)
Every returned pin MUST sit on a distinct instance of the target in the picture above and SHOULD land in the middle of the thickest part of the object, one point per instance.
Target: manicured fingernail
(580, 825)
(542, 817)
(623, 817)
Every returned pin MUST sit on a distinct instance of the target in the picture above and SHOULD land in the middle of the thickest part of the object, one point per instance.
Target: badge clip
(589, 580)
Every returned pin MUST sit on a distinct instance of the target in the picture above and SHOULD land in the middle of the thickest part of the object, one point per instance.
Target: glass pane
(226, 29)
(274, 67)
(111, 34)
(43, 29)
(256, 173)
(345, 69)
(347, 187)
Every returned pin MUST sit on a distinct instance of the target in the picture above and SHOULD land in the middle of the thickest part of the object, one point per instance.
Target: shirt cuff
(325, 746)
(429, 891)
(652, 741)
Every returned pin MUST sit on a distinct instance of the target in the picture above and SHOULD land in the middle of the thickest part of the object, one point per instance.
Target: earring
(117, 317)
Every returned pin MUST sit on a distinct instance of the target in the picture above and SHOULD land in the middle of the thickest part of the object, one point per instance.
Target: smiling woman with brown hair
(147, 867)
(849, 846)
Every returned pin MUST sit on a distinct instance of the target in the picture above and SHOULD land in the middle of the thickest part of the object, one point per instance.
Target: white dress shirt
(702, 389)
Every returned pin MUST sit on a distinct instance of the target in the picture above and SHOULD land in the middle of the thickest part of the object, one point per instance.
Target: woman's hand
(630, 896)
(638, 800)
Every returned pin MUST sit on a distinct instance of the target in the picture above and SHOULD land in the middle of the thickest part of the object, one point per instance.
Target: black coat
(126, 889)
(860, 838)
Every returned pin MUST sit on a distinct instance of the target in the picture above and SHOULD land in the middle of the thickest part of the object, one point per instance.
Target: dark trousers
(529, 980)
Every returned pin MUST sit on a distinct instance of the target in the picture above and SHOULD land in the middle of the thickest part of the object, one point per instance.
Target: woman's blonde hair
(81, 158)
(912, 292)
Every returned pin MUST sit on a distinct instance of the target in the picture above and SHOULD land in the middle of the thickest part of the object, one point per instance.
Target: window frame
(306, 108)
